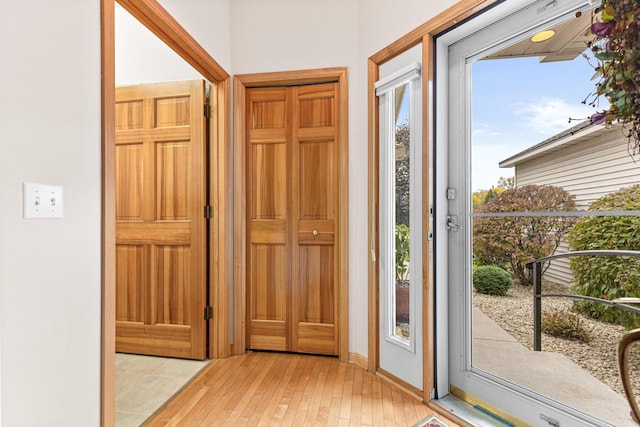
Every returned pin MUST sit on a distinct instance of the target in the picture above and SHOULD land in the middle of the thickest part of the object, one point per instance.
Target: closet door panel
(268, 296)
(314, 210)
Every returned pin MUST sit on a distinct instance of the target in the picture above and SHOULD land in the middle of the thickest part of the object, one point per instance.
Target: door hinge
(208, 313)
(208, 110)
(208, 212)
(451, 193)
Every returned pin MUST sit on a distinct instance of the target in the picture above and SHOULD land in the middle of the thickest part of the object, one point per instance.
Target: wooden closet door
(292, 193)
(314, 219)
(268, 213)
(160, 226)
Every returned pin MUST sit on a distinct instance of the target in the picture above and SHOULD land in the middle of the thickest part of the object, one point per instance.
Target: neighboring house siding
(588, 170)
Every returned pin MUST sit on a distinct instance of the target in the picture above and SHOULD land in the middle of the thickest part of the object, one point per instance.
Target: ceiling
(570, 40)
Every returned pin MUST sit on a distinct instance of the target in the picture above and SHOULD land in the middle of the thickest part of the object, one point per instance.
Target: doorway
(160, 22)
(291, 180)
(487, 364)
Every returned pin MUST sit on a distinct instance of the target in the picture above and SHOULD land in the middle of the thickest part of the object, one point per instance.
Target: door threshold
(475, 415)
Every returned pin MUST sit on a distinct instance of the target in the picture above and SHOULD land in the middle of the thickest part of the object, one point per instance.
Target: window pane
(402, 132)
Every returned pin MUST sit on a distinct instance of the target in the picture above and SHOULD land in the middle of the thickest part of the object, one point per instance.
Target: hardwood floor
(280, 389)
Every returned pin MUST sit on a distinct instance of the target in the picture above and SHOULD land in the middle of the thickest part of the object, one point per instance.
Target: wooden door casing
(160, 226)
(292, 211)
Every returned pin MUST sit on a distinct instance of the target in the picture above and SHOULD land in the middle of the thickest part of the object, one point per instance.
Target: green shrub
(491, 280)
(565, 325)
(608, 277)
(403, 251)
(518, 240)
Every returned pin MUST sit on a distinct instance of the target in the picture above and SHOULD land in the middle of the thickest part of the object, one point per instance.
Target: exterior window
(400, 224)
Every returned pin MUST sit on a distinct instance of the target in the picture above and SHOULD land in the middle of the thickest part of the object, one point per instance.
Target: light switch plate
(42, 201)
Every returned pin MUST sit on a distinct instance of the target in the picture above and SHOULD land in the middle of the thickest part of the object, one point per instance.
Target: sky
(517, 103)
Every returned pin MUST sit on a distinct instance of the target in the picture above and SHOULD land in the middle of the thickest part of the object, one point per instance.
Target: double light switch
(41, 201)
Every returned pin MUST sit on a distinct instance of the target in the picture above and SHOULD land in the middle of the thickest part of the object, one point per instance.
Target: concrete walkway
(550, 374)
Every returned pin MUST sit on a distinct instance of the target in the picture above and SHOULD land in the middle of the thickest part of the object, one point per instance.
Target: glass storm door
(479, 358)
(399, 91)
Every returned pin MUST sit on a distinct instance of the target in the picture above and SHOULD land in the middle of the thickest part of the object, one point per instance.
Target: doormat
(431, 421)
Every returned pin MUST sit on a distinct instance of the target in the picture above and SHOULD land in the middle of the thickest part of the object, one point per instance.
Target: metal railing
(538, 295)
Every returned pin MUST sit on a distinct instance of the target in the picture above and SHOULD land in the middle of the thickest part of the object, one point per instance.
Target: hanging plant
(616, 48)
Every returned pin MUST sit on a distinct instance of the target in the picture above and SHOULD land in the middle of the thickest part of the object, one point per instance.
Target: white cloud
(549, 116)
(485, 129)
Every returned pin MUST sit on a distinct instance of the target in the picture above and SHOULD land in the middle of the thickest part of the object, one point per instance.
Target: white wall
(384, 21)
(208, 21)
(50, 269)
(280, 35)
(142, 58)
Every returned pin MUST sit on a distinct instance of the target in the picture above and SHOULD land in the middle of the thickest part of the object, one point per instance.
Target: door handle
(315, 232)
(452, 223)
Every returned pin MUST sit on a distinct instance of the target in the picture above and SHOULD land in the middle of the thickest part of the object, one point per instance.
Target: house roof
(574, 135)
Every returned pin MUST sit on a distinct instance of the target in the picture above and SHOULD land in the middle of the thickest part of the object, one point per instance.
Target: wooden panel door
(292, 197)
(268, 241)
(160, 226)
(314, 219)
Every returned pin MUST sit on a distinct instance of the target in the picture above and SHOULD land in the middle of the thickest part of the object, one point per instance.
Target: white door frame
(162, 24)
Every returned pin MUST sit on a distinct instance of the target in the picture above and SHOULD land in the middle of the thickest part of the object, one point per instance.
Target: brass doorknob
(315, 232)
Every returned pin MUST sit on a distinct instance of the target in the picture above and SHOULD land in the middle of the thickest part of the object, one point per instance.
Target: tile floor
(145, 383)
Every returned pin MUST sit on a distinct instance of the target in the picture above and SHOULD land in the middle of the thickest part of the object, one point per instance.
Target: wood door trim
(220, 232)
(159, 21)
(241, 83)
(108, 220)
(424, 34)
